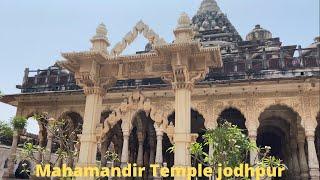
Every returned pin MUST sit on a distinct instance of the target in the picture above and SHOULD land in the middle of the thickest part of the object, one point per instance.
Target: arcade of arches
(141, 128)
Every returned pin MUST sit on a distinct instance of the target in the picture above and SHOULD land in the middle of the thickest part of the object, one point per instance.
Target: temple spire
(100, 40)
(208, 5)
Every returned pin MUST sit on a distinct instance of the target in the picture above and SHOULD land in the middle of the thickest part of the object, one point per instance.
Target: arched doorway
(279, 129)
(112, 141)
(142, 141)
(36, 129)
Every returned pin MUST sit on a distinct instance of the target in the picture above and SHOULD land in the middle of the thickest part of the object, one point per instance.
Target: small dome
(184, 21)
(258, 33)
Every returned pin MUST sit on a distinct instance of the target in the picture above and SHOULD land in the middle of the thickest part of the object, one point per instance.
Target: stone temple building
(139, 105)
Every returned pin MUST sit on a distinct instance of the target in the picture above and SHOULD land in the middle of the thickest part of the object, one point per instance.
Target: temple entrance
(280, 128)
(273, 137)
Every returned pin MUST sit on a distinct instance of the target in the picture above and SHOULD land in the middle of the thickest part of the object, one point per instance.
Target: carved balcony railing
(237, 66)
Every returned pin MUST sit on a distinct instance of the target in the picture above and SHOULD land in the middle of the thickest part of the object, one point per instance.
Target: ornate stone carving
(139, 28)
(127, 110)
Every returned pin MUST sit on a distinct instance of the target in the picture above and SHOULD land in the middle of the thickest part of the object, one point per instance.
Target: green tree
(230, 148)
(6, 133)
(19, 123)
(65, 134)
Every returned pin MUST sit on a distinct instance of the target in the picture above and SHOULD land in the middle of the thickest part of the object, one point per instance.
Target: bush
(5, 129)
(6, 133)
(230, 148)
(19, 122)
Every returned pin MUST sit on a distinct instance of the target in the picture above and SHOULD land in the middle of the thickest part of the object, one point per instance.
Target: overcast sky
(34, 33)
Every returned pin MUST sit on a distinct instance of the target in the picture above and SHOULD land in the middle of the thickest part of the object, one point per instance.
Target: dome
(258, 33)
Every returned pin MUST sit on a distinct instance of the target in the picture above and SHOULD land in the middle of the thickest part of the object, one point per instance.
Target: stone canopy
(99, 68)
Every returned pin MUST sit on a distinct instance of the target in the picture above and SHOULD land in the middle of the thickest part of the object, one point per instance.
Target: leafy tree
(18, 123)
(230, 148)
(65, 134)
(6, 133)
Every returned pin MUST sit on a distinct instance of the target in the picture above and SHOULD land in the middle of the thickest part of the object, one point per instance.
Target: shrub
(19, 123)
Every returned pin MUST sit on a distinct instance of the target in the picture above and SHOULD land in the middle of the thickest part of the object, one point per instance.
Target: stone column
(159, 133)
(253, 153)
(88, 138)
(252, 126)
(140, 149)
(312, 156)
(125, 147)
(302, 158)
(12, 157)
(182, 127)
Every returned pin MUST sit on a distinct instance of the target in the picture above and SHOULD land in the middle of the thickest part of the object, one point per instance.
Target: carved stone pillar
(12, 157)
(159, 133)
(140, 149)
(253, 153)
(88, 138)
(302, 158)
(182, 127)
(312, 156)
(125, 147)
(252, 126)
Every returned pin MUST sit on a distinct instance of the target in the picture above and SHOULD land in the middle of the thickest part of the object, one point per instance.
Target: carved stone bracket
(93, 90)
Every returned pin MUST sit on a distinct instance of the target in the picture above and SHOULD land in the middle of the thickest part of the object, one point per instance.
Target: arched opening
(111, 142)
(142, 141)
(273, 137)
(23, 170)
(233, 116)
(279, 129)
(32, 126)
(36, 131)
(197, 127)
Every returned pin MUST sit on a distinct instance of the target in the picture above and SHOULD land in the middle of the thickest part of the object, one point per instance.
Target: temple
(139, 105)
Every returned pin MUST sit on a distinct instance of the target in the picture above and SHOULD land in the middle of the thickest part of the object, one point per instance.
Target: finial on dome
(184, 21)
(100, 40)
(184, 31)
